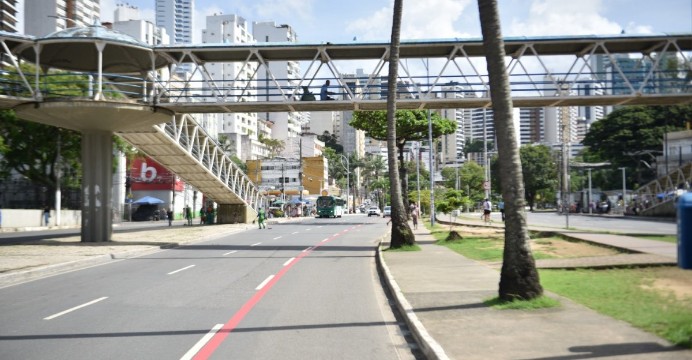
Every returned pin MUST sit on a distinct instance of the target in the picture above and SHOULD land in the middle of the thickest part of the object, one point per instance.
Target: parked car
(387, 211)
(374, 211)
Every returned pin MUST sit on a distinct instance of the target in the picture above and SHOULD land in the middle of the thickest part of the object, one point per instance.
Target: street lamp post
(430, 157)
(624, 192)
(348, 178)
(417, 146)
(590, 199)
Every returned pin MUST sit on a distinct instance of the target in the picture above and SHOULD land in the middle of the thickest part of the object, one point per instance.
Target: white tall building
(176, 16)
(352, 139)
(557, 120)
(589, 114)
(127, 20)
(453, 144)
(233, 79)
(42, 17)
(8, 20)
(321, 121)
(287, 74)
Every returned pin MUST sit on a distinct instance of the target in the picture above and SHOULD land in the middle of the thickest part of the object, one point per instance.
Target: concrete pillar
(235, 213)
(97, 163)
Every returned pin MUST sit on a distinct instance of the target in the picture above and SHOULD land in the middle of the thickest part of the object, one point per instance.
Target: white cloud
(550, 17)
(421, 20)
(274, 9)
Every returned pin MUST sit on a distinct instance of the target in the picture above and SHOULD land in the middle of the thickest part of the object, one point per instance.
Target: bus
(330, 206)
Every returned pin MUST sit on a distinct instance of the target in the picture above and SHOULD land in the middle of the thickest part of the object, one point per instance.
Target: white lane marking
(293, 233)
(319, 226)
(276, 238)
(255, 244)
(308, 249)
(179, 270)
(267, 280)
(75, 308)
(308, 229)
(230, 252)
(200, 344)
(325, 240)
(289, 261)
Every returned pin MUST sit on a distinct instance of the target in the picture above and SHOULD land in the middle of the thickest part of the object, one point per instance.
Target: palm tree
(401, 232)
(518, 277)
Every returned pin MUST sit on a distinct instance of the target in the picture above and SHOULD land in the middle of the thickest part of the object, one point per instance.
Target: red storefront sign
(147, 174)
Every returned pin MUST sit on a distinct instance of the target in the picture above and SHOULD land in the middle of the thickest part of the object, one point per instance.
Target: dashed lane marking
(203, 341)
(75, 308)
(179, 270)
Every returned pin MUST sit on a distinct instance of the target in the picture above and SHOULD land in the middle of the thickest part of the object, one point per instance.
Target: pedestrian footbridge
(117, 85)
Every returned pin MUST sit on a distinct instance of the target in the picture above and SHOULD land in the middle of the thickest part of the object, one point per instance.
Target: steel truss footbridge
(131, 92)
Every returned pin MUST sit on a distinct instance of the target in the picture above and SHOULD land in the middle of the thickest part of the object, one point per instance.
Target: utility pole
(58, 192)
(300, 168)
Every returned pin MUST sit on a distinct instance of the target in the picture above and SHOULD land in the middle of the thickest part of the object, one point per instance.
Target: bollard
(685, 231)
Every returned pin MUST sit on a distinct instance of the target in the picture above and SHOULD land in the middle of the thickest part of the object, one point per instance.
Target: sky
(335, 21)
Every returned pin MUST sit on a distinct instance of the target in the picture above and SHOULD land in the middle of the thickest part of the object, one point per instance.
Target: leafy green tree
(629, 136)
(476, 146)
(275, 146)
(539, 169)
(331, 141)
(31, 150)
(453, 199)
(471, 178)
(518, 277)
(411, 125)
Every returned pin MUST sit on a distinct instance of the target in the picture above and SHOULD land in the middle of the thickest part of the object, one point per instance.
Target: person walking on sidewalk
(169, 215)
(46, 215)
(414, 216)
(487, 208)
(501, 206)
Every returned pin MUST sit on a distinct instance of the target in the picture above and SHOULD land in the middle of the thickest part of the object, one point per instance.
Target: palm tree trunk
(518, 278)
(401, 232)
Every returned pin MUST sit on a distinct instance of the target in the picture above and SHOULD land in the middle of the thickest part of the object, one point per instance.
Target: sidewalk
(442, 295)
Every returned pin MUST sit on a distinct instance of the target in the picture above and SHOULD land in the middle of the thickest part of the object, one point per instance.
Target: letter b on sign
(146, 170)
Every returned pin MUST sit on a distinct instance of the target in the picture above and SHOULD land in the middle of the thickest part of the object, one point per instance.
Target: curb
(430, 348)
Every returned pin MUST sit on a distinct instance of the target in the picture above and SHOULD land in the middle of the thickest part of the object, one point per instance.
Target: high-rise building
(530, 125)
(128, 20)
(47, 16)
(352, 139)
(176, 16)
(287, 75)
(8, 15)
(232, 81)
(453, 144)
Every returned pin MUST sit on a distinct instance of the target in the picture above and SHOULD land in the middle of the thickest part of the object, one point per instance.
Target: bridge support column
(235, 213)
(97, 183)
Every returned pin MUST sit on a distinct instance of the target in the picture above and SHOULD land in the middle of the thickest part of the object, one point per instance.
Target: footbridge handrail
(166, 142)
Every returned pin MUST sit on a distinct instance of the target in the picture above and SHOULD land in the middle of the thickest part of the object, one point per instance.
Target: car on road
(374, 211)
(387, 211)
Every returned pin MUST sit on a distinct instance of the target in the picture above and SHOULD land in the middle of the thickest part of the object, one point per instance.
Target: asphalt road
(617, 224)
(306, 290)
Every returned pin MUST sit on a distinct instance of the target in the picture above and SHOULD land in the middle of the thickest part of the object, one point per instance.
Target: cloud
(277, 9)
(549, 17)
(421, 20)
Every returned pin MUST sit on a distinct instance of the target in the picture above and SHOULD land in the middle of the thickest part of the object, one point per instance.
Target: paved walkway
(442, 294)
